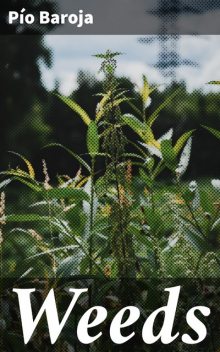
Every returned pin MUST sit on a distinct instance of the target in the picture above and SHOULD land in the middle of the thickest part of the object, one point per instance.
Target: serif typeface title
(44, 17)
(125, 317)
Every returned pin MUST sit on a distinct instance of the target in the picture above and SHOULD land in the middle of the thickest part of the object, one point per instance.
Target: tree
(22, 93)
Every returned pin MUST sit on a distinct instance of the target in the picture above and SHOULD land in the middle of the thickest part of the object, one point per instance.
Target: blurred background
(33, 68)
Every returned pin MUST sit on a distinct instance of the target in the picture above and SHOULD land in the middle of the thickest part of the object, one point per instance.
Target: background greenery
(143, 226)
(32, 116)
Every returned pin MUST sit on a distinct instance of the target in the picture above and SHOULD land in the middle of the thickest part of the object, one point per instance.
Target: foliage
(22, 94)
(118, 222)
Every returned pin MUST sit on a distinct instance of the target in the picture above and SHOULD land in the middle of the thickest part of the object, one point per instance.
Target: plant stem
(124, 269)
(195, 220)
(91, 219)
(51, 233)
(197, 225)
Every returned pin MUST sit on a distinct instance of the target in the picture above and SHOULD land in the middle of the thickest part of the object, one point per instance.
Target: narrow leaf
(182, 140)
(75, 107)
(34, 187)
(155, 114)
(77, 157)
(185, 157)
(101, 105)
(4, 183)
(215, 132)
(136, 125)
(27, 162)
(145, 92)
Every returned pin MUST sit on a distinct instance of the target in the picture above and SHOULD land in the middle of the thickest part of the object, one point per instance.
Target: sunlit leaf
(166, 136)
(152, 149)
(145, 92)
(149, 136)
(216, 184)
(155, 114)
(33, 186)
(135, 124)
(27, 162)
(76, 107)
(182, 140)
(100, 107)
(4, 183)
(185, 157)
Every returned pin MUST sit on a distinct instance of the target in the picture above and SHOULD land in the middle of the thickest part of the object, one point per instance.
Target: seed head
(35, 235)
(129, 172)
(2, 208)
(1, 237)
(46, 175)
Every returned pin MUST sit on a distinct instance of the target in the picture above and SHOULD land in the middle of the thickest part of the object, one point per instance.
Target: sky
(72, 53)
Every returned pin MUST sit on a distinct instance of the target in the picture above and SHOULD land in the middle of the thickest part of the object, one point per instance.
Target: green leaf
(138, 111)
(169, 155)
(21, 179)
(25, 218)
(145, 92)
(136, 125)
(117, 102)
(214, 82)
(70, 266)
(34, 187)
(182, 140)
(149, 182)
(107, 55)
(196, 240)
(4, 183)
(133, 155)
(215, 132)
(149, 136)
(102, 104)
(188, 196)
(75, 107)
(59, 193)
(155, 114)
(58, 249)
(77, 157)
(27, 162)
(17, 172)
(93, 139)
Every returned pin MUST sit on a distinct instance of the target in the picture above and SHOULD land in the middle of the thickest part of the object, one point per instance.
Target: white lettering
(50, 308)
(117, 325)
(169, 311)
(84, 325)
(196, 325)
